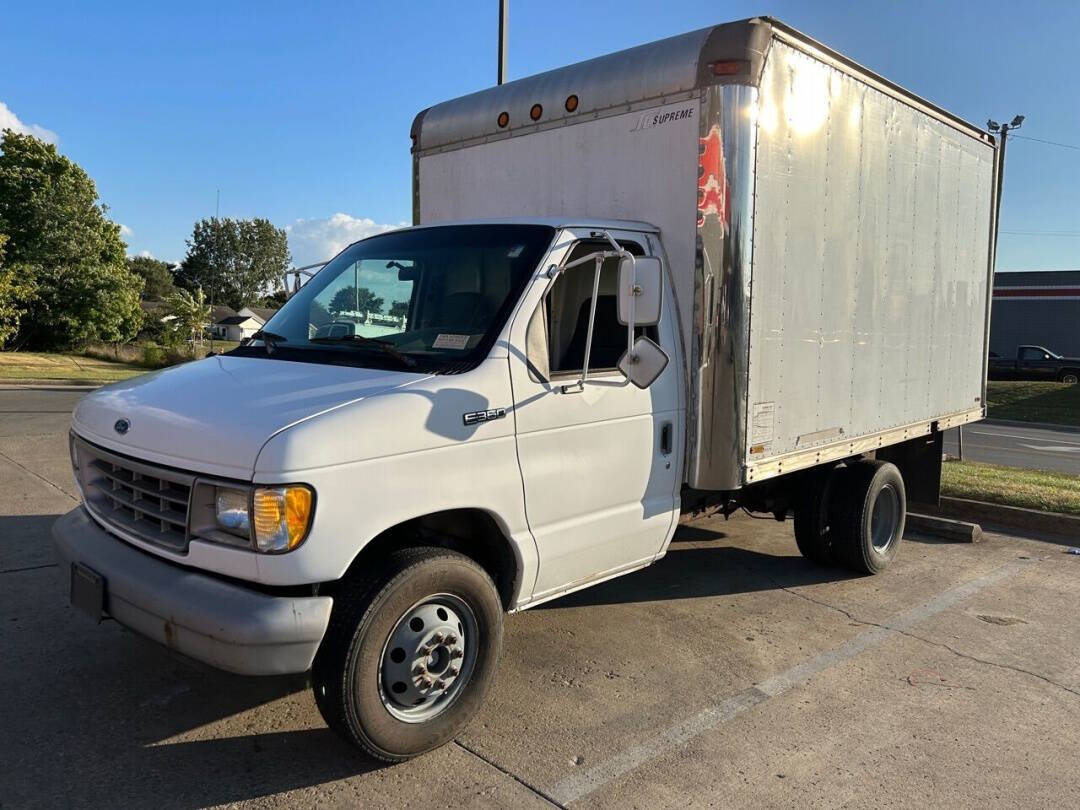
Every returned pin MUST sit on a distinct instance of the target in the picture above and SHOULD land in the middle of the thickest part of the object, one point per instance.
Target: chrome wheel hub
(885, 518)
(428, 658)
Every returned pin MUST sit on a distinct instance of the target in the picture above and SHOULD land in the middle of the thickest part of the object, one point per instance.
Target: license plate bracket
(88, 591)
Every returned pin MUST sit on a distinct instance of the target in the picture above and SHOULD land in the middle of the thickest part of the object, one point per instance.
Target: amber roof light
(536, 112)
(571, 103)
(503, 120)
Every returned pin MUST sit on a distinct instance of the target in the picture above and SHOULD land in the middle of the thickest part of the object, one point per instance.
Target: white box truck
(727, 269)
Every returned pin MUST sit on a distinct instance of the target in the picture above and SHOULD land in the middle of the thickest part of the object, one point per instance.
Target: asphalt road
(731, 673)
(1035, 448)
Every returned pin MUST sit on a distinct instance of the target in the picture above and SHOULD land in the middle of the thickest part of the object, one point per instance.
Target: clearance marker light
(536, 112)
(503, 119)
(726, 68)
(571, 103)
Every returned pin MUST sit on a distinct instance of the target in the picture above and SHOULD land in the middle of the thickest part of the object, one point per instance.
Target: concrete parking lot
(732, 673)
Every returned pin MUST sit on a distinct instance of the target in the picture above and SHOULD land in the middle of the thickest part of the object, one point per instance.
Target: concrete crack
(917, 637)
(988, 662)
(504, 771)
(28, 568)
(41, 478)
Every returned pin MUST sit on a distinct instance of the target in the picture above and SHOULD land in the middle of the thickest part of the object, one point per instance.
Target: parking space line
(586, 782)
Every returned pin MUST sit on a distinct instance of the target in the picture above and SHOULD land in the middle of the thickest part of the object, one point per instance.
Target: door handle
(665, 438)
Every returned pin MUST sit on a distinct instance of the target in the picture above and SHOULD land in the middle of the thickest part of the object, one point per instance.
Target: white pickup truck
(731, 269)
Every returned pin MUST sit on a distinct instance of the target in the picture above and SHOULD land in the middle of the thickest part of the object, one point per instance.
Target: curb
(1064, 528)
(1034, 425)
(956, 531)
(47, 385)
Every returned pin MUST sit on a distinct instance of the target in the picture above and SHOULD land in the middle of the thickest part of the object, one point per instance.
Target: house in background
(237, 327)
(230, 324)
(262, 313)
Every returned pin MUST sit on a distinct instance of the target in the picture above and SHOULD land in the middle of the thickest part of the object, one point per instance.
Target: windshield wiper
(270, 339)
(360, 340)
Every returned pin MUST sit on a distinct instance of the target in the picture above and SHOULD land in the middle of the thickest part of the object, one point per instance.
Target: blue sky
(300, 112)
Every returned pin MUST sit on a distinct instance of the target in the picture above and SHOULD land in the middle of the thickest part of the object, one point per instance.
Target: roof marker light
(536, 112)
(726, 68)
(571, 102)
(503, 119)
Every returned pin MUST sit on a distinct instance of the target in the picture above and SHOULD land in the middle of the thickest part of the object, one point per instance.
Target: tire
(812, 517)
(1069, 377)
(867, 516)
(373, 695)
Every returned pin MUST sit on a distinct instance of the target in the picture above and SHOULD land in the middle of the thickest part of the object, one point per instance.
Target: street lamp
(1003, 130)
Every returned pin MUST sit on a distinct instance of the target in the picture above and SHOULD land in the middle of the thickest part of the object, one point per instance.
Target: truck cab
(486, 426)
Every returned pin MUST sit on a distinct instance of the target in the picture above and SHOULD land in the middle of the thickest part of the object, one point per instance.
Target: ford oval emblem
(122, 426)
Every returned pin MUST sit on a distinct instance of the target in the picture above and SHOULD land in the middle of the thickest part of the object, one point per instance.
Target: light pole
(1004, 130)
(504, 22)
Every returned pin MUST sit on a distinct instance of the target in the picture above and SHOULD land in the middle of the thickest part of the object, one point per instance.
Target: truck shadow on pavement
(692, 570)
(98, 716)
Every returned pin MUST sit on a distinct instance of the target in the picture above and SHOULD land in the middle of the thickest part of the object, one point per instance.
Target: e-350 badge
(476, 417)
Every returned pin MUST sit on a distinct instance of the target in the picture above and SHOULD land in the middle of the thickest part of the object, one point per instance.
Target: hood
(214, 415)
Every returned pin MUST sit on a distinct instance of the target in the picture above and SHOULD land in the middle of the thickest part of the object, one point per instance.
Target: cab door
(600, 464)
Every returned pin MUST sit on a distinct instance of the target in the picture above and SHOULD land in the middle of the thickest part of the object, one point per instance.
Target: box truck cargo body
(828, 235)
(731, 269)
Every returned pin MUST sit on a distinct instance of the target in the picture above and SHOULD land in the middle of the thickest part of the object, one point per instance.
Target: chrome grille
(140, 499)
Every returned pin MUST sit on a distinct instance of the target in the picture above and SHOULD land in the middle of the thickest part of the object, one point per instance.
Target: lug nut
(452, 672)
(437, 638)
(419, 669)
(439, 685)
(424, 683)
(456, 653)
(451, 639)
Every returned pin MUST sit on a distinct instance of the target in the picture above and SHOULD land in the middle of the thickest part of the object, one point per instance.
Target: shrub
(153, 356)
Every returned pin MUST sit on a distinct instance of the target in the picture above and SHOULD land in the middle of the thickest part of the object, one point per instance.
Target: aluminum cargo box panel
(869, 273)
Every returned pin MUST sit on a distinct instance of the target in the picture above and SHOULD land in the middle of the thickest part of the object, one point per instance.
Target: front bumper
(219, 623)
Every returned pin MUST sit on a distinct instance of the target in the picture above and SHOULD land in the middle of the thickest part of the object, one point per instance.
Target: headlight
(269, 519)
(231, 511)
(282, 516)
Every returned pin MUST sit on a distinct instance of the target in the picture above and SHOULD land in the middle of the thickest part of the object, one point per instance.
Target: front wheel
(1069, 377)
(410, 653)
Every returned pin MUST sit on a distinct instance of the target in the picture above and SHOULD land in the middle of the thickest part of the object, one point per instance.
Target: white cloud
(8, 120)
(317, 240)
(146, 254)
(125, 230)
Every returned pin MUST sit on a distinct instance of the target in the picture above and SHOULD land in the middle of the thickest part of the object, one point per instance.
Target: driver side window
(558, 330)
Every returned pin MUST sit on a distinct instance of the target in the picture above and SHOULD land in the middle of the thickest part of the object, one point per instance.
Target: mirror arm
(598, 259)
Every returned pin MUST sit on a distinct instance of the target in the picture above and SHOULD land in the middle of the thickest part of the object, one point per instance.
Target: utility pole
(217, 258)
(1004, 130)
(504, 22)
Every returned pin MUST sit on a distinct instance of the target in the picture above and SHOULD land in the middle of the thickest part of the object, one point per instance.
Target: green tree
(237, 261)
(276, 300)
(351, 299)
(62, 242)
(399, 309)
(16, 289)
(189, 314)
(156, 275)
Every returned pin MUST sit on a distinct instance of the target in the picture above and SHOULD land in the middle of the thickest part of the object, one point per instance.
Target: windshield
(429, 299)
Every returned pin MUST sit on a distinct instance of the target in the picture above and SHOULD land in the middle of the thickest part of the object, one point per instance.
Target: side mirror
(641, 281)
(644, 363)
